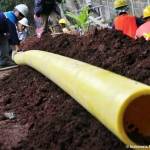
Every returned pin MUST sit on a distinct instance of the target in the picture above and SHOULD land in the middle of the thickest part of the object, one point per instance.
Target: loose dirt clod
(47, 117)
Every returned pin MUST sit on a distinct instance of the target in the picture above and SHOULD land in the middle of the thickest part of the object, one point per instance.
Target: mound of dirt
(45, 117)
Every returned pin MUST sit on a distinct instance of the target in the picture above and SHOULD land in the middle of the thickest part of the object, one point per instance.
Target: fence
(104, 7)
(107, 11)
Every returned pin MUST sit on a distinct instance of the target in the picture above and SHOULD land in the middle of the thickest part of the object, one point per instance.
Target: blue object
(3, 24)
(2, 18)
(13, 36)
(44, 7)
(11, 16)
(11, 22)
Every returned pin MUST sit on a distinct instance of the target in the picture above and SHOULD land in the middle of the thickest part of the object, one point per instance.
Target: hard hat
(146, 12)
(62, 21)
(146, 36)
(24, 22)
(23, 9)
(120, 3)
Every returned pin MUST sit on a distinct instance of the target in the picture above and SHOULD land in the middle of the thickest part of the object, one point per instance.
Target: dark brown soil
(4, 73)
(49, 119)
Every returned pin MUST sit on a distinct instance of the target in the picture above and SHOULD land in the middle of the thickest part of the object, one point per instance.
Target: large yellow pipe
(121, 104)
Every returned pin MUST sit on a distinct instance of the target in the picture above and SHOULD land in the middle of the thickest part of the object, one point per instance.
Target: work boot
(2, 63)
(10, 63)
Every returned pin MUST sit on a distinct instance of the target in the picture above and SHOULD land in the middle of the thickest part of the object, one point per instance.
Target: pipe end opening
(136, 120)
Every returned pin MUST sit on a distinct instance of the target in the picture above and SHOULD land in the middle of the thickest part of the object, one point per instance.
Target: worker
(46, 8)
(94, 11)
(124, 22)
(11, 37)
(4, 46)
(71, 6)
(144, 30)
(22, 29)
(63, 24)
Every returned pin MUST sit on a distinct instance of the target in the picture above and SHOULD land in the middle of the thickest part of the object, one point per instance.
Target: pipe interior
(136, 120)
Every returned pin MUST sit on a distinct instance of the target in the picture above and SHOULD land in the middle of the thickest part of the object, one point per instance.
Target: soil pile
(45, 117)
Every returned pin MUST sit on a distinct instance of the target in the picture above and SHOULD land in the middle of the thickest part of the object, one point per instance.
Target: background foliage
(7, 5)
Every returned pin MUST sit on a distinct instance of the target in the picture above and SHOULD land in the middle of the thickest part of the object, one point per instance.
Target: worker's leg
(4, 51)
(55, 21)
(37, 22)
(45, 22)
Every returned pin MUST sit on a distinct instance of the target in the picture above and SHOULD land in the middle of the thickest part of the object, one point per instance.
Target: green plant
(81, 19)
(5, 5)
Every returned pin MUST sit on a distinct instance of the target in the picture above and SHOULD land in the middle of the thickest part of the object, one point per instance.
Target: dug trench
(47, 118)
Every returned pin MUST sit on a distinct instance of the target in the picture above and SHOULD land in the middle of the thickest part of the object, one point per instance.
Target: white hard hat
(88, 2)
(23, 9)
(24, 22)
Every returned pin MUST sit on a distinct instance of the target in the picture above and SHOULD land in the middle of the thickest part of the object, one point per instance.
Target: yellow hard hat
(62, 21)
(120, 3)
(146, 12)
(147, 36)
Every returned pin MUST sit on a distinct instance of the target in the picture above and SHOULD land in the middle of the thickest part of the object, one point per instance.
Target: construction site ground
(47, 118)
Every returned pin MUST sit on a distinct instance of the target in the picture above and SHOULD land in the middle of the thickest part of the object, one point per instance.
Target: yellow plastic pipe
(121, 104)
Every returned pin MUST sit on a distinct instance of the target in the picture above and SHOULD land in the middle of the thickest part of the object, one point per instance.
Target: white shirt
(22, 35)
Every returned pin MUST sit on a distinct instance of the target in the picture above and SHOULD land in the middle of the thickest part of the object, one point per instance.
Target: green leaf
(81, 20)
